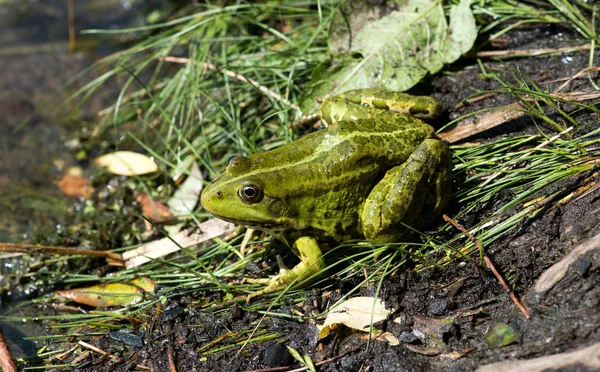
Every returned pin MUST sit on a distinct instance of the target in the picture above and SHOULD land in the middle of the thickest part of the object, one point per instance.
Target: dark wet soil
(568, 317)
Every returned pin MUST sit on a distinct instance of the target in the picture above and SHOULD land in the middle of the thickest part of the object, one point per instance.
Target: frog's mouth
(276, 230)
(268, 227)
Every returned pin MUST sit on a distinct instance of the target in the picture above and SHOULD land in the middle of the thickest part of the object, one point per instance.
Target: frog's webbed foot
(413, 193)
(311, 263)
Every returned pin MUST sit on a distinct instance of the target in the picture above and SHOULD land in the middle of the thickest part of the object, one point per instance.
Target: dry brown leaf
(73, 185)
(153, 209)
(356, 313)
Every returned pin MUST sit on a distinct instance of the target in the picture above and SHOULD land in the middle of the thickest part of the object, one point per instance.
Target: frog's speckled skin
(367, 174)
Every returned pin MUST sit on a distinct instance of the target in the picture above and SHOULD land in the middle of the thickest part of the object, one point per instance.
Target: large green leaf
(390, 47)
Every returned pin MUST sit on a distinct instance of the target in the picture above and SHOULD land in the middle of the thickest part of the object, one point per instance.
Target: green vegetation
(226, 80)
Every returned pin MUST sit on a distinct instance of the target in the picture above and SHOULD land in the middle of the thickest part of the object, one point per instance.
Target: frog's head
(239, 196)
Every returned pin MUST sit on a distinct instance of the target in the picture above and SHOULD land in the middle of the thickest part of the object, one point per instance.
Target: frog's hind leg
(413, 193)
(311, 263)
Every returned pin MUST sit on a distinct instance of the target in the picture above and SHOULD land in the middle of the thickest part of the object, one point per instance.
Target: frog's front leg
(311, 263)
(413, 193)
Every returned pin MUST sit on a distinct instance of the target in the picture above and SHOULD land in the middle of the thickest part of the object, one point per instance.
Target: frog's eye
(250, 194)
(230, 159)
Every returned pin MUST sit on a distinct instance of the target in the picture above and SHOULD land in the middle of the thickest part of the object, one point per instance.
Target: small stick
(6, 360)
(234, 75)
(45, 249)
(490, 266)
(71, 18)
(172, 366)
(577, 75)
(490, 119)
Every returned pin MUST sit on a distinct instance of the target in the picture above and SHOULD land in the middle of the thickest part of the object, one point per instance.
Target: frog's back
(323, 178)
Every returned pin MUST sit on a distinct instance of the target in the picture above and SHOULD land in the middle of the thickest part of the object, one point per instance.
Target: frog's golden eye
(250, 194)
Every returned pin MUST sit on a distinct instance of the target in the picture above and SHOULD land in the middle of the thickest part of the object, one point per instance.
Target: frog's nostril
(219, 194)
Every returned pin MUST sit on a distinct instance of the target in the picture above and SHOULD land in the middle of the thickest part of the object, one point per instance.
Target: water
(36, 61)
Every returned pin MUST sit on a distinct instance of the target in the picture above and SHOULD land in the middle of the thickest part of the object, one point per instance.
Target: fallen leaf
(186, 197)
(432, 326)
(153, 209)
(74, 185)
(127, 163)
(501, 335)
(111, 294)
(390, 46)
(356, 313)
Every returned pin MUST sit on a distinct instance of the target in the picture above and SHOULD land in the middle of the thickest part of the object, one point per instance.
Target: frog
(376, 171)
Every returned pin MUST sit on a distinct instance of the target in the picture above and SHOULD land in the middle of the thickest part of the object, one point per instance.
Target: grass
(177, 111)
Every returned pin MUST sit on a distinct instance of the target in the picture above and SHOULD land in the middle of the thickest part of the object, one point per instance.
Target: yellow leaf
(127, 163)
(356, 313)
(112, 294)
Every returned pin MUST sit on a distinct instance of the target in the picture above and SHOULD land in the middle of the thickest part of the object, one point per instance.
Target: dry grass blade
(526, 52)
(541, 145)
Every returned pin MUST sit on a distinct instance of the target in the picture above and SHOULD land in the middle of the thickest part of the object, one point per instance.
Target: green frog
(375, 170)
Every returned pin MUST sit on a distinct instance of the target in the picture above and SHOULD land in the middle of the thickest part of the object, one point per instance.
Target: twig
(481, 123)
(6, 360)
(490, 266)
(479, 98)
(216, 340)
(71, 17)
(570, 79)
(490, 119)
(172, 366)
(337, 357)
(567, 80)
(45, 249)
(234, 75)
(314, 118)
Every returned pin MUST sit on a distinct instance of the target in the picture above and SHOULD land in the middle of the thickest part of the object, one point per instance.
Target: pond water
(41, 49)
(36, 61)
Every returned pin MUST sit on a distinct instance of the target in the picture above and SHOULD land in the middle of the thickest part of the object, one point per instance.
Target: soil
(566, 318)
